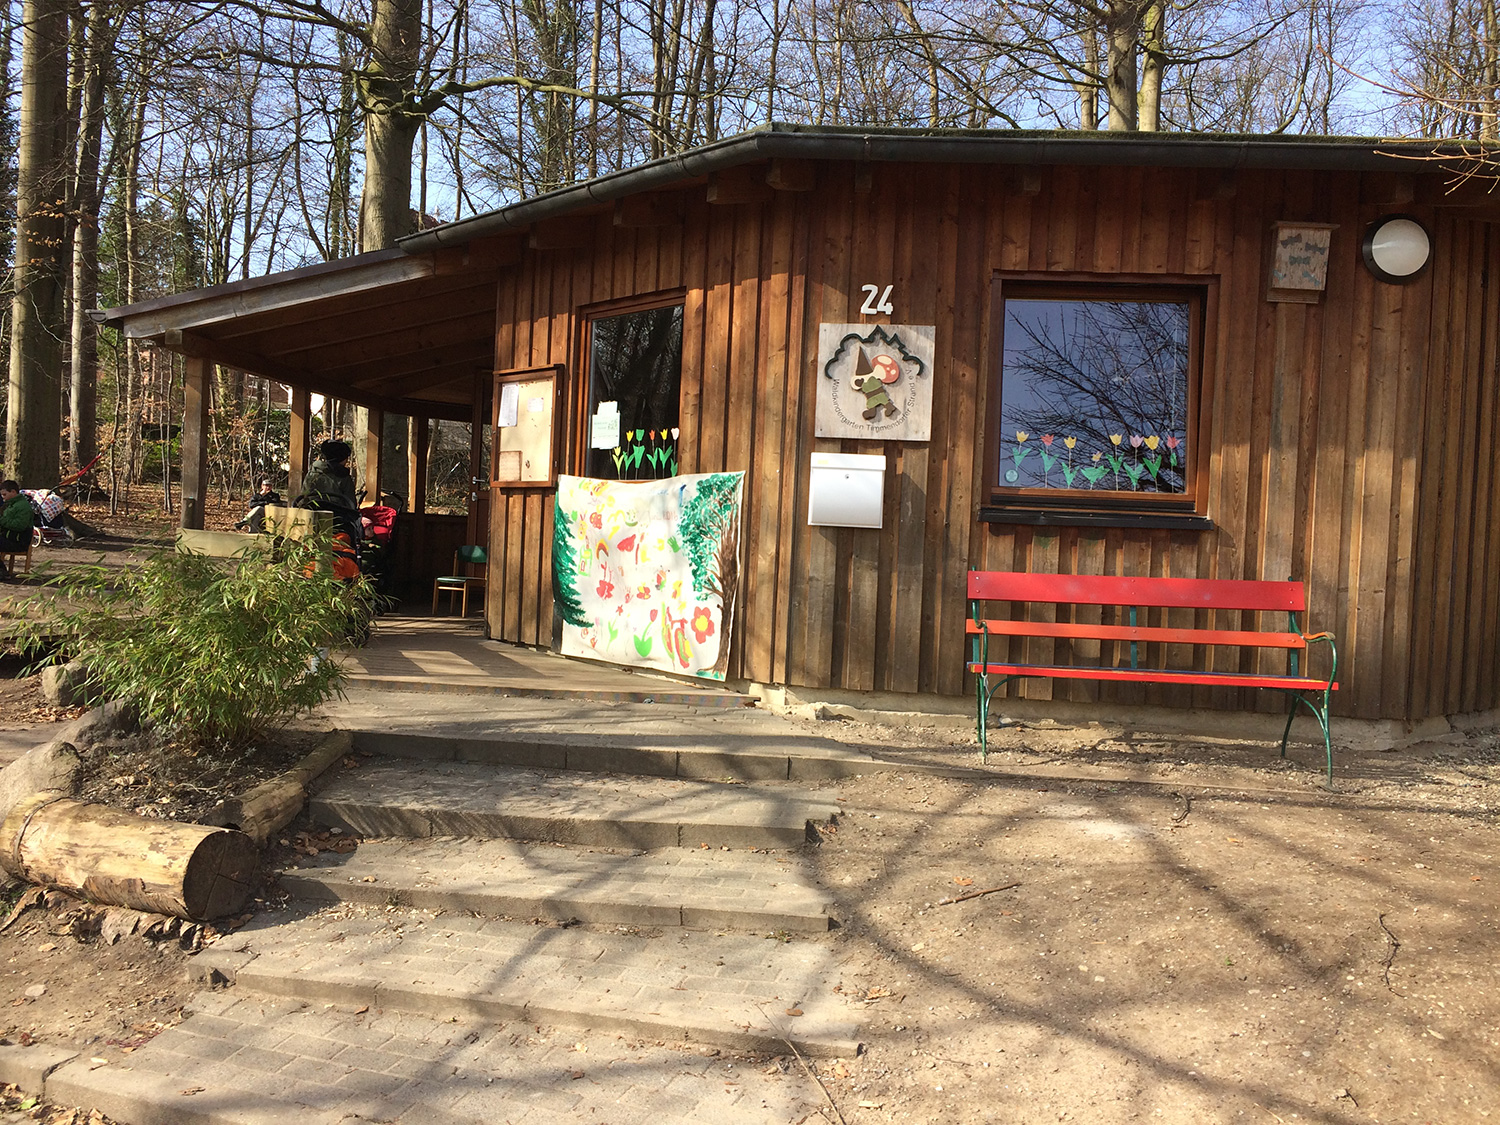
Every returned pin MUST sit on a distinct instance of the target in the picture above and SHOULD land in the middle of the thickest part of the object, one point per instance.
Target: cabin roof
(411, 329)
(777, 141)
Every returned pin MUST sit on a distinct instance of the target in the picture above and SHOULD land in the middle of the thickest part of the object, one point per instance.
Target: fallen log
(272, 805)
(119, 859)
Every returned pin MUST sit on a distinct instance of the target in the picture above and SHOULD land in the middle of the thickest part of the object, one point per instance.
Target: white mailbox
(846, 490)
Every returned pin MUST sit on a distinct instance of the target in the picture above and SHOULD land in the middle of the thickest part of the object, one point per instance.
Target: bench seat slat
(1154, 593)
(1153, 676)
(1140, 633)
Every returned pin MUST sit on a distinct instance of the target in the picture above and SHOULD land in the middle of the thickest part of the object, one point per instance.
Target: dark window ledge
(1061, 517)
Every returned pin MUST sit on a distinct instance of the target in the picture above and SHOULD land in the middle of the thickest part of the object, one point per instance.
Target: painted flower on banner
(596, 519)
(703, 623)
(605, 590)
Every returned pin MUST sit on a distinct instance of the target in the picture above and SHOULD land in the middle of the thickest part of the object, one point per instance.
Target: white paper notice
(606, 428)
(536, 405)
(510, 403)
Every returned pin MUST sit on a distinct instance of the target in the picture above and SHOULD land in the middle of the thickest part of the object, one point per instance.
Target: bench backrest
(1108, 589)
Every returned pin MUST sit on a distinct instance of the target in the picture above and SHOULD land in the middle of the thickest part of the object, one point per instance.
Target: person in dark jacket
(329, 487)
(16, 518)
(255, 510)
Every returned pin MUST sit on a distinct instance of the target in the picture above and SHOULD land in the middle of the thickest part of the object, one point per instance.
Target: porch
(416, 653)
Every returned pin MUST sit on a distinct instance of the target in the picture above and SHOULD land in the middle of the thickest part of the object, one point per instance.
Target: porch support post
(417, 471)
(301, 437)
(418, 434)
(479, 472)
(374, 426)
(195, 421)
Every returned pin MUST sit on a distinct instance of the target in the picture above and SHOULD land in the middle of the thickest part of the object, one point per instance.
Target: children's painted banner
(645, 573)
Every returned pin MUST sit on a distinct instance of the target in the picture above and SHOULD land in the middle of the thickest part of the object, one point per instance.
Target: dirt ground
(1160, 929)
(1215, 942)
(1217, 939)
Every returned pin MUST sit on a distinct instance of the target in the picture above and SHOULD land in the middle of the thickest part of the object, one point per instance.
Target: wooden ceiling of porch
(409, 334)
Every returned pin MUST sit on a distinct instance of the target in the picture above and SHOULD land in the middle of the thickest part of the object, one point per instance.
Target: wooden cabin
(1301, 382)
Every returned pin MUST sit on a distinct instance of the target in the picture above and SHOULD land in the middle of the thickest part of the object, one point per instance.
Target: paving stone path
(254, 1060)
(436, 975)
(728, 990)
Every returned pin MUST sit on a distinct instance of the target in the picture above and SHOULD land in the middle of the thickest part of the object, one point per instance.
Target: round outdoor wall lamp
(1396, 249)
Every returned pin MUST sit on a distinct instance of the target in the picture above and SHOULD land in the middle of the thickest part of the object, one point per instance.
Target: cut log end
(220, 875)
(119, 859)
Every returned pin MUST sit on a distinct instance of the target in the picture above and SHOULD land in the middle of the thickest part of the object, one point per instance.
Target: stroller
(377, 554)
(51, 519)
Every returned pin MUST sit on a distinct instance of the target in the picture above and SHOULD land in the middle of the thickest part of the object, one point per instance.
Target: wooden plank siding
(1351, 443)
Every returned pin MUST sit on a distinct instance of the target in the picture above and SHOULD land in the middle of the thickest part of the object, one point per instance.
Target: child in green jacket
(15, 522)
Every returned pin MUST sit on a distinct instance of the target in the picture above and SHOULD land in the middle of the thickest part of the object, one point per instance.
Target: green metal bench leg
(983, 710)
(986, 695)
(1319, 713)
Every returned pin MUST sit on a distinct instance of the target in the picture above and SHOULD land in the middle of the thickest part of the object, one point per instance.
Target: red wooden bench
(1131, 595)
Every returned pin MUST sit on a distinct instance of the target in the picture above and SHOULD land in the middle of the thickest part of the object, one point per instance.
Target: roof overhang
(396, 331)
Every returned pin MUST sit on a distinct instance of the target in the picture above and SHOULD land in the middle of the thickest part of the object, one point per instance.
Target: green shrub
(209, 650)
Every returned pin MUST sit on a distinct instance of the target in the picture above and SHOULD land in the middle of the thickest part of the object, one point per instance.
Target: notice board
(525, 433)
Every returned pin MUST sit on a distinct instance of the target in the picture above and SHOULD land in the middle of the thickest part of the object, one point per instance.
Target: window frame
(583, 365)
(1006, 504)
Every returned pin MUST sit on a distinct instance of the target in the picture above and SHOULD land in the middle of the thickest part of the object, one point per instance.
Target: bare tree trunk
(130, 203)
(83, 437)
(33, 444)
(594, 51)
(775, 59)
(1489, 126)
(1154, 47)
(703, 55)
(908, 13)
(1088, 91)
(390, 129)
(1121, 36)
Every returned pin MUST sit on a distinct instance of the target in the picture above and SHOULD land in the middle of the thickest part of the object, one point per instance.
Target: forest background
(153, 146)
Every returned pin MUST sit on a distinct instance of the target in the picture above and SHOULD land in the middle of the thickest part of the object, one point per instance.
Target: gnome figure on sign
(871, 379)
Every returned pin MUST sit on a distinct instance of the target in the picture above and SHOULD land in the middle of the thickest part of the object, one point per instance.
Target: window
(1097, 414)
(635, 377)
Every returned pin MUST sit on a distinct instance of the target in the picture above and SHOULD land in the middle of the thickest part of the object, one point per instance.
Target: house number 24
(872, 307)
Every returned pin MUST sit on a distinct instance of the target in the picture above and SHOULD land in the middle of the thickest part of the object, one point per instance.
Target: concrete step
(401, 798)
(736, 992)
(699, 888)
(736, 758)
(253, 1060)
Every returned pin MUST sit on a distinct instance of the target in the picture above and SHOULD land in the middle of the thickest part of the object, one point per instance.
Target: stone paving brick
(368, 1058)
(195, 1046)
(257, 1058)
(371, 1084)
(311, 1046)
